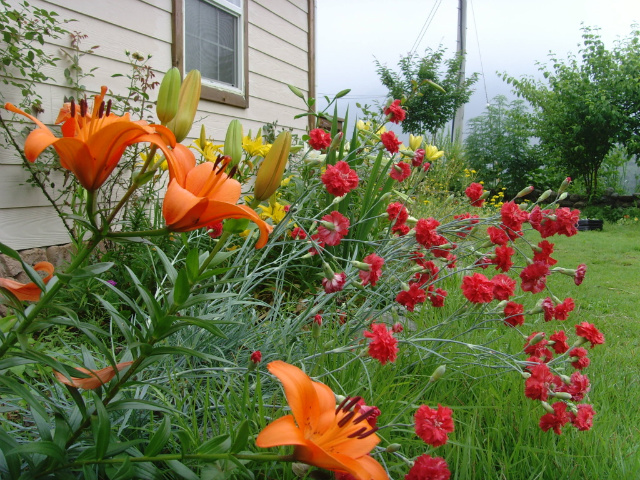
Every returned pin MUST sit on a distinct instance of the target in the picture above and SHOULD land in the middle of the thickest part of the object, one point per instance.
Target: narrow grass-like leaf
(102, 428)
(48, 449)
(159, 438)
(9, 252)
(192, 264)
(182, 287)
(172, 273)
(182, 470)
(139, 405)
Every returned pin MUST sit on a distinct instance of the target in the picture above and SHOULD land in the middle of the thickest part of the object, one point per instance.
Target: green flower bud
(187, 106)
(233, 142)
(168, 94)
(438, 373)
(394, 447)
(272, 168)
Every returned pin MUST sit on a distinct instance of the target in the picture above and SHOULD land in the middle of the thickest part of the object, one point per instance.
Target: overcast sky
(502, 36)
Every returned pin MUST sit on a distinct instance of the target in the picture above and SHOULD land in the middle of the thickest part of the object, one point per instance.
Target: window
(211, 36)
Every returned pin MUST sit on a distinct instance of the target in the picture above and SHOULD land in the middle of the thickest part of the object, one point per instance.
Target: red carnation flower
(400, 171)
(298, 234)
(335, 284)
(578, 357)
(256, 357)
(400, 229)
(340, 179)
(583, 420)
(589, 332)
(543, 255)
(536, 387)
(474, 192)
(437, 297)
(395, 112)
(390, 142)
(538, 349)
(548, 308)
(397, 212)
(433, 426)
(214, 230)
(426, 234)
(512, 219)
(397, 327)
(383, 345)
(319, 139)
(477, 288)
(372, 412)
(497, 236)
(513, 314)
(502, 259)
(534, 277)
(578, 387)
(375, 269)
(418, 157)
(503, 287)
(410, 298)
(333, 228)
(472, 220)
(566, 221)
(427, 467)
(563, 309)
(559, 340)
(580, 273)
(555, 420)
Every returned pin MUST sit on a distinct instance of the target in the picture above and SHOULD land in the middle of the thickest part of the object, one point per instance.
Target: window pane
(211, 41)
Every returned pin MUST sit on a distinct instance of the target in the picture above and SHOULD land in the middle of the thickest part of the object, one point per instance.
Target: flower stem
(221, 241)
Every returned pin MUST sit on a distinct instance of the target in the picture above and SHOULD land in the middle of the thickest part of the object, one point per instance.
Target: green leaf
(168, 266)
(207, 325)
(182, 470)
(139, 405)
(205, 297)
(8, 251)
(48, 449)
(193, 265)
(241, 437)
(159, 438)
(102, 428)
(219, 444)
(182, 287)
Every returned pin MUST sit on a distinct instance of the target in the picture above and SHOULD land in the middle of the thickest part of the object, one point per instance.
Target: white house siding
(278, 55)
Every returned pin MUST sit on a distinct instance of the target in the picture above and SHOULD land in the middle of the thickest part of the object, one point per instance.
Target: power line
(425, 26)
(484, 78)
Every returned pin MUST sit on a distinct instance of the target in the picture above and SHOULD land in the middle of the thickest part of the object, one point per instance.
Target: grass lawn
(497, 434)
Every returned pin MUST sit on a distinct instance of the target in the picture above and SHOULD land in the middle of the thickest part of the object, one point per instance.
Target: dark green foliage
(428, 108)
(587, 105)
(499, 145)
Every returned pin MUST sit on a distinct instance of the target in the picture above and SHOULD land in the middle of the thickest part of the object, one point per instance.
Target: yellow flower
(157, 157)
(275, 212)
(381, 130)
(360, 125)
(286, 181)
(415, 142)
(254, 147)
(432, 153)
(209, 151)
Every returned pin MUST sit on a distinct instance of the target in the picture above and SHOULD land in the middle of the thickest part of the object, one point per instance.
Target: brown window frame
(211, 93)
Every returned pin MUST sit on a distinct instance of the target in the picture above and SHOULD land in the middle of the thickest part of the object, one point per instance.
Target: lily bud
(187, 105)
(525, 191)
(168, 95)
(272, 167)
(438, 373)
(233, 142)
(203, 137)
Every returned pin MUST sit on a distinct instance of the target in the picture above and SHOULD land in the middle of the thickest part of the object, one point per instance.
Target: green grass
(497, 433)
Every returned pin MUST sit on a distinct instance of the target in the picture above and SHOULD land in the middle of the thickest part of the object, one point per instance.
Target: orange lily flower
(28, 291)
(93, 141)
(200, 195)
(323, 435)
(95, 379)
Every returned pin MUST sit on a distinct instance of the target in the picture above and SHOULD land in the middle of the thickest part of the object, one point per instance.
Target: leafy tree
(499, 145)
(428, 107)
(587, 105)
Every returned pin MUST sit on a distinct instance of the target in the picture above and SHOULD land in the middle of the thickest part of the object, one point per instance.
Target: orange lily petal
(96, 378)
(314, 455)
(282, 431)
(28, 291)
(180, 203)
(300, 392)
(181, 161)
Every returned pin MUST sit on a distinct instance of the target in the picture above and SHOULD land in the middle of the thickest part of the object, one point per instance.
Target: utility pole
(458, 121)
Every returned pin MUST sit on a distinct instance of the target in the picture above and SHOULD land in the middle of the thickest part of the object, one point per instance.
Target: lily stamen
(346, 419)
(370, 432)
(357, 433)
(72, 108)
(352, 403)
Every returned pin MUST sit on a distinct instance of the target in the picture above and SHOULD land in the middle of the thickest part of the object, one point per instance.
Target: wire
(484, 78)
(425, 26)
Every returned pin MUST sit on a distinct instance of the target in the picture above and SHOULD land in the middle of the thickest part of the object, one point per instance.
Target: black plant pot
(589, 224)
